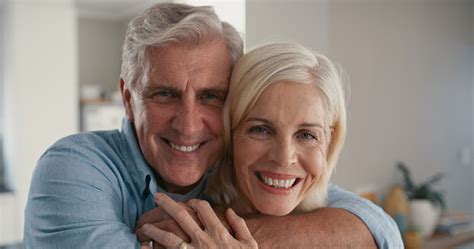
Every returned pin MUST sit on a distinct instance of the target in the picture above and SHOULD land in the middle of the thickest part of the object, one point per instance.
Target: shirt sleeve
(75, 201)
(382, 226)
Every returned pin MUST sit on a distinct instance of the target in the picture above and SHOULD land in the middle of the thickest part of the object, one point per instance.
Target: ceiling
(112, 9)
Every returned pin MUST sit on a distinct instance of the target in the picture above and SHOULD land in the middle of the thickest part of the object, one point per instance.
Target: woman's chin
(276, 210)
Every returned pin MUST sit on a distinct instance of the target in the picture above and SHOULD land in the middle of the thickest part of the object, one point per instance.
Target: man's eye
(163, 93)
(209, 96)
(212, 99)
(163, 96)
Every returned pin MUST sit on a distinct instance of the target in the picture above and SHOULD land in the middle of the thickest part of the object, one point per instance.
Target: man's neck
(175, 189)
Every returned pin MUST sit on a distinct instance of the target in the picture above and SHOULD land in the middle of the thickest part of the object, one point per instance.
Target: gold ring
(183, 245)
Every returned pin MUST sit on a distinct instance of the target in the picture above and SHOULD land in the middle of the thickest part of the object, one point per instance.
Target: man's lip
(182, 142)
(184, 147)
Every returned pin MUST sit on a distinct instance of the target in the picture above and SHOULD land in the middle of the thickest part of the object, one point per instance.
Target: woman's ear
(332, 133)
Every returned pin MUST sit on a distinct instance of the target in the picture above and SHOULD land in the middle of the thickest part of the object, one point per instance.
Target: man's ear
(126, 100)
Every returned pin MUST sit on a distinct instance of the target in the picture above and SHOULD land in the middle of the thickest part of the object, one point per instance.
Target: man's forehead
(185, 46)
(175, 66)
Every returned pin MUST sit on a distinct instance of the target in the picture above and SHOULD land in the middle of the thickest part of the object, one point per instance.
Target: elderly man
(89, 190)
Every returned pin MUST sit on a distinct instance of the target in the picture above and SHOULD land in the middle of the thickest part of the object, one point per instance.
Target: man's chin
(181, 185)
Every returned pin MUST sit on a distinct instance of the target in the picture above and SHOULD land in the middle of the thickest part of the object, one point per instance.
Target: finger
(239, 226)
(141, 236)
(152, 216)
(145, 245)
(191, 211)
(168, 225)
(162, 237)
(207, 215)
(157, 245)
(180, 215)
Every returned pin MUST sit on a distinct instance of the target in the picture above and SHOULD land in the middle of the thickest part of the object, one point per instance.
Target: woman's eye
(258, 130)
(307, 135)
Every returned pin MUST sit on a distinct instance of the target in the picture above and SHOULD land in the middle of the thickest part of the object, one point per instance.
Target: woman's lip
(274, 175)
(273, 190)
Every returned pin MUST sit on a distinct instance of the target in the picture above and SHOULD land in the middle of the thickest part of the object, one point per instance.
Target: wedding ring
(183, 245)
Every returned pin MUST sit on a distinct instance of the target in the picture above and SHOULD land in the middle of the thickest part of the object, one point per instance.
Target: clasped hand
(191, 225)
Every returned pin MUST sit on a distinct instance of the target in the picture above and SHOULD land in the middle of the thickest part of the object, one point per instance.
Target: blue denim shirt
(88, 191)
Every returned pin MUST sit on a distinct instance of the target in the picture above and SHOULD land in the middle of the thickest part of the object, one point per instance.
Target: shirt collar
(143, 175)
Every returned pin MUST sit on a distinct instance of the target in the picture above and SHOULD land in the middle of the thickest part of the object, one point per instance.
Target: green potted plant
(426, 202)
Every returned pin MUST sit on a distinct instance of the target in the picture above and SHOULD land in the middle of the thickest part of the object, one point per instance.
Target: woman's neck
(243, 207)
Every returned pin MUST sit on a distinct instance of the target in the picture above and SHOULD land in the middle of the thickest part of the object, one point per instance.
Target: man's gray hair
(166, 23)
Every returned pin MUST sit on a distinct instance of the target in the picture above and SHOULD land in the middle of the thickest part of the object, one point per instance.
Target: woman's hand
(212, 234)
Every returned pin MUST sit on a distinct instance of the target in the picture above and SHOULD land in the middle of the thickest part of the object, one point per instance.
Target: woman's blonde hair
(254, 72)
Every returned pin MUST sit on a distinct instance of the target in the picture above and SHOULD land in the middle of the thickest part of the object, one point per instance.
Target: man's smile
(184, 148)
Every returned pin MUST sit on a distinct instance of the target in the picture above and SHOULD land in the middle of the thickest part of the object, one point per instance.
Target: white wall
(100, 50)
(411, 83)
(472, 97)
(411, 91)
(2, 14)
(231, 11)
(41, 96)
(1, 79)
(284, 20)
(3, 172)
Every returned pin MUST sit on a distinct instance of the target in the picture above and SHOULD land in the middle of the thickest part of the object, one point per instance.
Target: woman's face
(280, 147)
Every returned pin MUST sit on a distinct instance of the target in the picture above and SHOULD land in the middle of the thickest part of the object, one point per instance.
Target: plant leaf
(407, 181)
(434, 179)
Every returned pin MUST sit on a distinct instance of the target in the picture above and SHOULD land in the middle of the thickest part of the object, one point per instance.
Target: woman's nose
(283, 153)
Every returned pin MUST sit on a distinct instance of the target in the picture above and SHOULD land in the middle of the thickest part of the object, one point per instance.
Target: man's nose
(188, 118)
(283, 153)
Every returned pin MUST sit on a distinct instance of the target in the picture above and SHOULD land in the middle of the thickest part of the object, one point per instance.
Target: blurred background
(410, 64)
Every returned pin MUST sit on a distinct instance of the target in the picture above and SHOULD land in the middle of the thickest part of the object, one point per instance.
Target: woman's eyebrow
(312, 125)
(303, 125)
(255, 119)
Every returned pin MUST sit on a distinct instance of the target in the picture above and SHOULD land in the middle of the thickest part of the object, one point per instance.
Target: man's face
(177, 111)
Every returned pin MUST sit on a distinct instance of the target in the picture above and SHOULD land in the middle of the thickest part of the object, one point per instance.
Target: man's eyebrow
(160, 87)
(215, 89)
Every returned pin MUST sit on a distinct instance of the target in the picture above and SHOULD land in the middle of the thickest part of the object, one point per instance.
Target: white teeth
(183, 148)
(278, 183)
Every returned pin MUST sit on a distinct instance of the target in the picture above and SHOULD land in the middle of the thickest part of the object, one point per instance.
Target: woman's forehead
(287, 101)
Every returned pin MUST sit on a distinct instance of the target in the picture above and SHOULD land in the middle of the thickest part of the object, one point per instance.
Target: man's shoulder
(88, 144)
(84, 154)
(91, 139)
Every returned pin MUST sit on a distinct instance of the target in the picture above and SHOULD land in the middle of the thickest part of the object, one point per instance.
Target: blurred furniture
(101, 115)
(446, 241)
